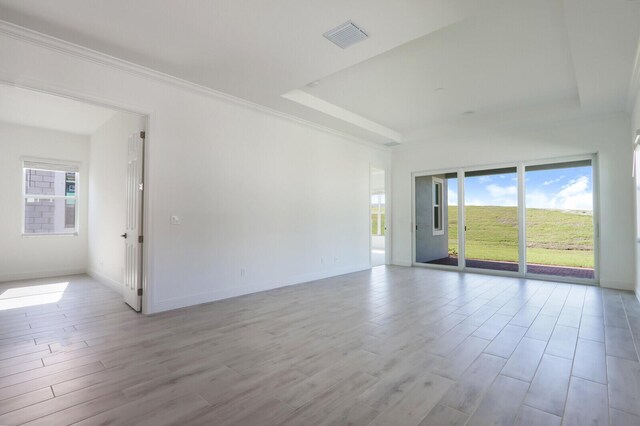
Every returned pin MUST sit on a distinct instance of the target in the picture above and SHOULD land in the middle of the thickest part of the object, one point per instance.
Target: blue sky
(564, 189)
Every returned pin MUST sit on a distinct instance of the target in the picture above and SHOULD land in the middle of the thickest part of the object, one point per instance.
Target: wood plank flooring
(389, 346)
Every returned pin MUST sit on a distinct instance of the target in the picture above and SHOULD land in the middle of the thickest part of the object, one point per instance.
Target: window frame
(520, 165)
(437, 203)
(56, 166)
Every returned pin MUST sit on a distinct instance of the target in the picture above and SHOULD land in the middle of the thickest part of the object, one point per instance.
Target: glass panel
(437, 249)
(491, 214)
(46, 182)
(559, 220)
(377, 215)
(49, 216)
(70, 214)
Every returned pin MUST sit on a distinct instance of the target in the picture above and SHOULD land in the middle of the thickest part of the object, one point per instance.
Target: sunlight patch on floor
(20, 297)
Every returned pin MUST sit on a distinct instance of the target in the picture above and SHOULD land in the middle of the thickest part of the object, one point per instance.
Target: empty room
(410, 212)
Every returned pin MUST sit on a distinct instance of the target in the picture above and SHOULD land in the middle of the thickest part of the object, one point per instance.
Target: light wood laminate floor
(390, 346)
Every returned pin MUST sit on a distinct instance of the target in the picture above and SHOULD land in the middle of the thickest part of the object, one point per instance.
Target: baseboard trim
(103, 279)
(617, 285)
(18, 276)
(227, 293)
(400, 262)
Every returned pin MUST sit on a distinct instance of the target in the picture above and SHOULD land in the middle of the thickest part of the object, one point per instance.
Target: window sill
(66, 234)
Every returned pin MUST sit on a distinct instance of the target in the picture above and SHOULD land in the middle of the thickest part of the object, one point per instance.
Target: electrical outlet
(174, 220)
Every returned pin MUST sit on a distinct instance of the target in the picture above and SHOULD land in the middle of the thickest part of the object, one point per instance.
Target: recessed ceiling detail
(310, 101)
(528, 62)
(346, 35)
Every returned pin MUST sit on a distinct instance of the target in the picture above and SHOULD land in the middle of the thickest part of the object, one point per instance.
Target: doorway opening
(437, 219)
(378, 217)
(79, 168)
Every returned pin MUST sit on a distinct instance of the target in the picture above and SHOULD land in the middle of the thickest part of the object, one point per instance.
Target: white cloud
(485, 179)
(539, 200)
(578, 202)
(575, 186)
(452, 197)
(498, 196)
(476, 202)
(497, 191)
(549, 182)
(575, 195)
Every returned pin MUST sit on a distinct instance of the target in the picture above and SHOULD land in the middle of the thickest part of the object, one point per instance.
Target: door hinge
(141, 186)
(143, 134)
(140, 238)
(139, 292)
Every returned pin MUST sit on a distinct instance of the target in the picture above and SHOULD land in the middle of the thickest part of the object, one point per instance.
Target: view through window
(558, 220)
(50, 199)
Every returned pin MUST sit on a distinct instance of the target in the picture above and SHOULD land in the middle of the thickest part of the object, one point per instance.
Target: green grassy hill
(374, 220)
(554, 237)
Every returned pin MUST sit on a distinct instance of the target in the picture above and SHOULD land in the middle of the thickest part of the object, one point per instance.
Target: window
(437, 207)
(530, 219)
(50, 197)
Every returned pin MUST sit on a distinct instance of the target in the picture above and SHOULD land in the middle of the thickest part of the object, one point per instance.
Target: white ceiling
(491, 61)
(520, 58)
(35, 109)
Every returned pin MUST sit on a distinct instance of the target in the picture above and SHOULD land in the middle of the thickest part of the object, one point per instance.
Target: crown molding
(80, 52)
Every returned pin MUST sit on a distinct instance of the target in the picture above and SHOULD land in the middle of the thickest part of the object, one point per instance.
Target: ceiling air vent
(391, 144)
(346, 34)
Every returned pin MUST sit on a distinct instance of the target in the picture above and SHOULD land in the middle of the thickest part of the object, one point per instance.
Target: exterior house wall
(47, 215)
(428, 246)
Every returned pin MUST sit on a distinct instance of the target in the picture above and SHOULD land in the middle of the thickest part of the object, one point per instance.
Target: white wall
(607, 136)
(635, 126)
(254, 191)
(23, 257)
(107, 197)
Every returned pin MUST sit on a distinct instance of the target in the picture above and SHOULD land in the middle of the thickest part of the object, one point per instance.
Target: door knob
(124, 235)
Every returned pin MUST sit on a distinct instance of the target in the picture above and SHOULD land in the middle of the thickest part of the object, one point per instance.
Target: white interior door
(133, 234)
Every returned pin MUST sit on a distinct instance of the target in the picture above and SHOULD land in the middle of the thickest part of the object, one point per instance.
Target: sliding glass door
(491, 219)
(533, 219)
(437, 219)
(559, 219)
